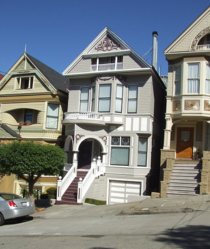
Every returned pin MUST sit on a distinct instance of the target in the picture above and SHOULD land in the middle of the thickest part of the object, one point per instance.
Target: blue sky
(57, 31)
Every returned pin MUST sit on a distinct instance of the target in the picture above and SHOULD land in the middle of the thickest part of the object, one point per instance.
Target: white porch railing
(96, 170)
(63, 184)
(107, 66)
(203, 47)
(84, 115)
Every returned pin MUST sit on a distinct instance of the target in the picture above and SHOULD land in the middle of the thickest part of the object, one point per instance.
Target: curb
(189, 210)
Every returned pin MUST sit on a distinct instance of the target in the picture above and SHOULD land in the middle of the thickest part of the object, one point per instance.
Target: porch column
(167, 133)
(75, 153)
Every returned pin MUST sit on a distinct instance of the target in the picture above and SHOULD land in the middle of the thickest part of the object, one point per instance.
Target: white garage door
(119, 191)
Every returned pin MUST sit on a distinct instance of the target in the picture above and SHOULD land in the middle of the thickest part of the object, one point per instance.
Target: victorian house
(33, 98)
(187, 133)
(114, 124)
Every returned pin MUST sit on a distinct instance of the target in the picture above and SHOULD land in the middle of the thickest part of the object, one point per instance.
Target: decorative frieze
(102, 78)
(198, 37)
(206, 105)
(192, 105)
(104, 138)
(78, 137)
(107, 45)
(177, 105)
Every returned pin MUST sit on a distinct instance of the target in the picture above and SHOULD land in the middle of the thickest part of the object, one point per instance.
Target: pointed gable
(189, 39)
(106, 44)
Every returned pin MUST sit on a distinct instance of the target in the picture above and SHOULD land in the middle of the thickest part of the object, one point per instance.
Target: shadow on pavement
(18, 220)
(187, 237)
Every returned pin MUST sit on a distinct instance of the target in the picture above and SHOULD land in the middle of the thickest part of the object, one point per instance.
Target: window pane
(118, 105)
(178, 73)
(120, 156)
(208, 72)
(208, 86)
(193, 86)
(105, 91)
(52, 122)
(193, 70)
(132, 105)
(142, 144)
(28, 115)
(115, 140)
(119, 91)
(104, 105)
(125, 141)
(177, 87)
(132, 92)
(83, 106)
(52, 110)
(142, 159)
(84, 93)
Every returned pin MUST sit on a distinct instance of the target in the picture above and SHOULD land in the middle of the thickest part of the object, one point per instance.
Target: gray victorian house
(114, 124)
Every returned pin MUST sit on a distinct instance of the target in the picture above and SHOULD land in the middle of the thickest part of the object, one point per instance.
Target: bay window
(120, 151)
(208, 78)
(193, 78)
(119, 98)
(104, 98)
(84, 99)
(142, 152)
(132, 99)
(178, 80)
(52, 116)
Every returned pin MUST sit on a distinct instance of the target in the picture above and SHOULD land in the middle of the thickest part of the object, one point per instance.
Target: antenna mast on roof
(25, 48)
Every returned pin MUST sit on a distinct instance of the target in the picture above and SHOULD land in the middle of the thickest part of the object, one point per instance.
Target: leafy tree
(29, 160)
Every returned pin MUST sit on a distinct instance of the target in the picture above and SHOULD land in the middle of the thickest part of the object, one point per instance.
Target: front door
(184, 146)
(84, 160)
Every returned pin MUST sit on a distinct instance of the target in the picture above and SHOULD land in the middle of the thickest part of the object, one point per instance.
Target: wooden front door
(184, 145)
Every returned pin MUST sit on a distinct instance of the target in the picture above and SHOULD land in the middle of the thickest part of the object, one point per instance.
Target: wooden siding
(82, 66)
(74, 98)
(21, 66)
(97, 190)
(9, 88)
(129, 63)
(185, 42)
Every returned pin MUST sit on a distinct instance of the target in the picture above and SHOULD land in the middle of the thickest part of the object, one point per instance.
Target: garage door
(120, 190)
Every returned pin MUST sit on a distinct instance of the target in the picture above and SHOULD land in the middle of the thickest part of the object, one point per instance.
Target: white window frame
(117, 98)
(197, 63)
(99, 98)
(177, 80)
(120, 146)
(207, 80)
(18, 84)
(143, 166)
(83, 100)
(133, 99)
(52, 116)
(93, 105)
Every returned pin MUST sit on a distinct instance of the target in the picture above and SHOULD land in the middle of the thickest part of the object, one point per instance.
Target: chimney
(154, 49)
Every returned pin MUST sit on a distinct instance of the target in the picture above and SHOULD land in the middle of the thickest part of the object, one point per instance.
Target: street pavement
(179, 222)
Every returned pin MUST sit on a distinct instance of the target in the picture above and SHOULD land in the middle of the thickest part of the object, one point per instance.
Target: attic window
(107, 63)
(25, 83)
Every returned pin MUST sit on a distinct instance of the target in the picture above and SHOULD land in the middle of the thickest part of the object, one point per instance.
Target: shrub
(51, 197)
(51, 191)
(95, 202)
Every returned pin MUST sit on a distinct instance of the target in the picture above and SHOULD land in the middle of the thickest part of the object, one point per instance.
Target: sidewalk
(179, 204)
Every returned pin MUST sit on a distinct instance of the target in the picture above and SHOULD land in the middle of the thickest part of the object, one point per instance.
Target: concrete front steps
(185, 178)
(70, 196)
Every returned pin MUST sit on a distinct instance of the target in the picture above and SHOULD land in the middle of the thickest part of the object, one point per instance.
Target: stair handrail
(63, 184)
(83, 185)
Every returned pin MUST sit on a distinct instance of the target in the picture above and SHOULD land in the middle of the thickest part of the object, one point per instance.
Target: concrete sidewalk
(178, 204)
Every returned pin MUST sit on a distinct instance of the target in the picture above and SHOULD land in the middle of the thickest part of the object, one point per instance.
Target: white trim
(107, 54)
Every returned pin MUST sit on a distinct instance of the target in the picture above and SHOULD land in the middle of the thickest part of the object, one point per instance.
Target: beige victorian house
(187, 133)
(33, 98)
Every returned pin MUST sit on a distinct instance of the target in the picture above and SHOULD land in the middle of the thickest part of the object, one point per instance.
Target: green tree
(29, 160)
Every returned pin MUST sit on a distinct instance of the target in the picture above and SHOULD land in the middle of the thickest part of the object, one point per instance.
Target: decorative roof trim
(198, 37)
